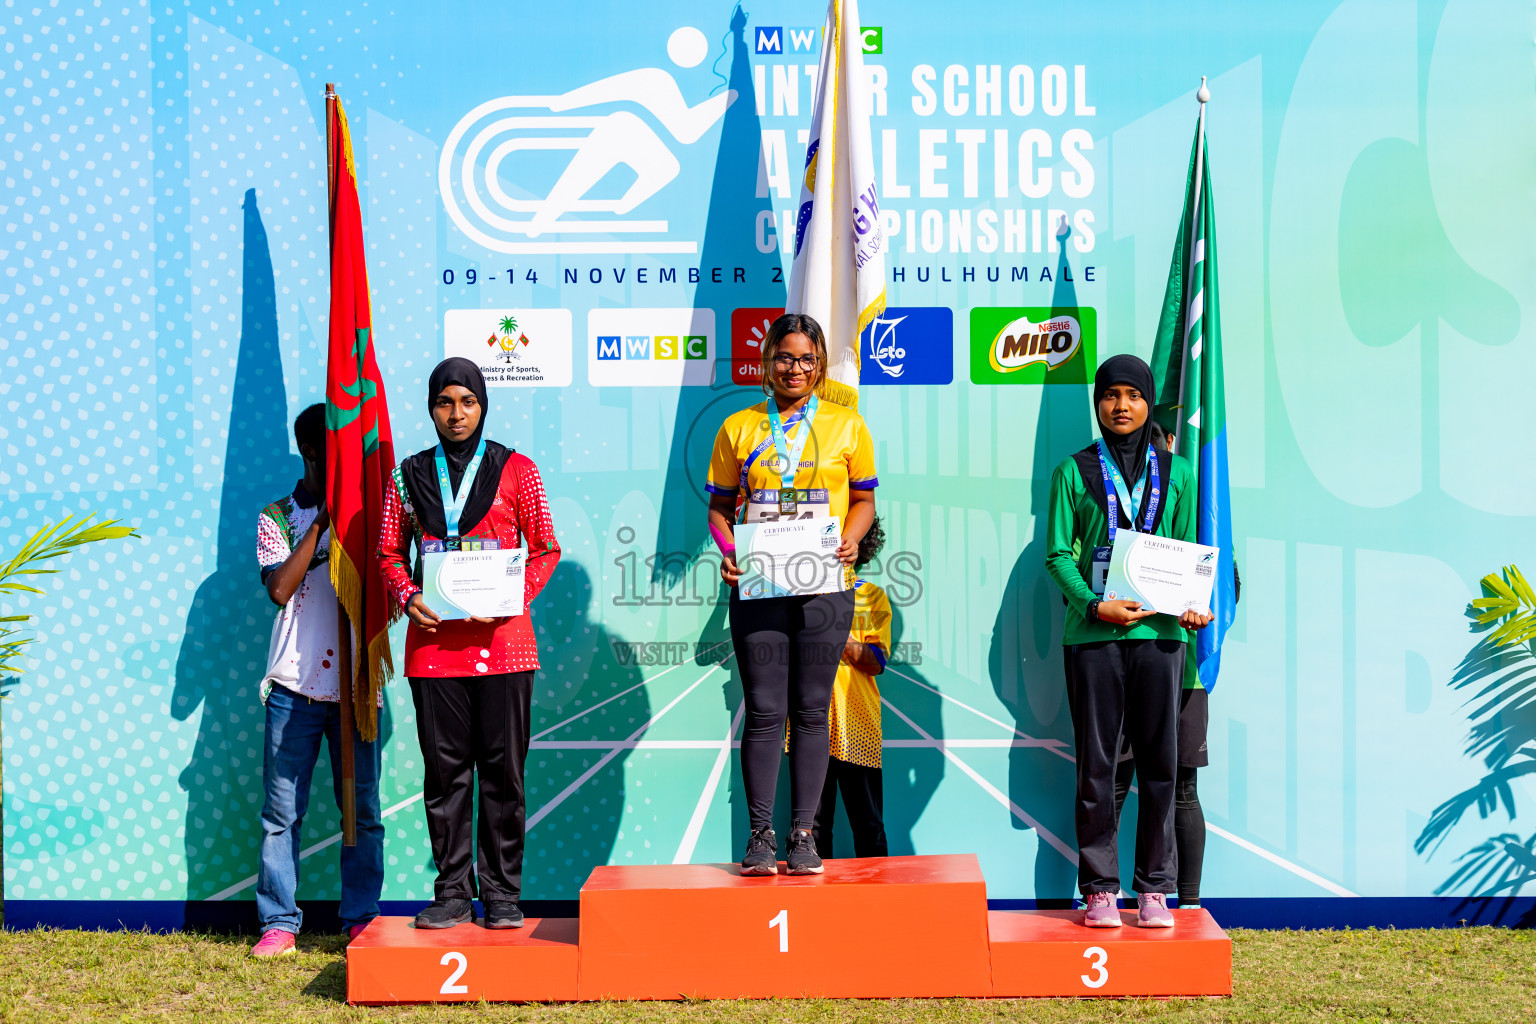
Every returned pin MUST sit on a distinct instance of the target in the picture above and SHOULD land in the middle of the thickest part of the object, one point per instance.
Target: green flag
(1191, 396)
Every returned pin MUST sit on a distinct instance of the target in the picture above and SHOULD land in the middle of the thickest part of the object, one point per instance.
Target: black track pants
(787, 651)
(1129, 685)
(469, 726)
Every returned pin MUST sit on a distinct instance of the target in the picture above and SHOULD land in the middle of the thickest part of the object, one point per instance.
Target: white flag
(838, 277)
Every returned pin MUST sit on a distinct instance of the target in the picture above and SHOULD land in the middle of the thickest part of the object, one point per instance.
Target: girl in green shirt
(1124, 664)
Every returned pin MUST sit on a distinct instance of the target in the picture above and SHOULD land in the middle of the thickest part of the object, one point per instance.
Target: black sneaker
(762, 854)
(503, 914)
(445, 913)
(801, 853)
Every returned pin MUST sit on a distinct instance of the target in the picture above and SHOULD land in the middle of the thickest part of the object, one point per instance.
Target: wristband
(724, 541)
(1093, 608)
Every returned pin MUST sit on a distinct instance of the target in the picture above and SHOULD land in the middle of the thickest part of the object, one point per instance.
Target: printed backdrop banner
(598, 204)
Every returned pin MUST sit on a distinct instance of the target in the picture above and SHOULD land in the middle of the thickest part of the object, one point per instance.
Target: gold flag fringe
(366, 685)
(842, 394)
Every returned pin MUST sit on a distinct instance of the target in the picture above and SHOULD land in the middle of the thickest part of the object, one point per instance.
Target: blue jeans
(295, 727)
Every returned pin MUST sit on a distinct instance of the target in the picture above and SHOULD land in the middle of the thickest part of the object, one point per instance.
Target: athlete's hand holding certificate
(789, 557)
(1165, 575)
(479, 581)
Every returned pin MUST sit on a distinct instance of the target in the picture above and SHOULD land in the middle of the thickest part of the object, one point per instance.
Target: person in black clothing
(1194, 717)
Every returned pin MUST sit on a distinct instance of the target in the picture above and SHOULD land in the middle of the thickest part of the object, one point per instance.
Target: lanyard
(1115, 492)
(762, 446)
(453, 504)
(781, 443)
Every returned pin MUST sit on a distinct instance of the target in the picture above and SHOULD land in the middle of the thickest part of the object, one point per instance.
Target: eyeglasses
(785, 361)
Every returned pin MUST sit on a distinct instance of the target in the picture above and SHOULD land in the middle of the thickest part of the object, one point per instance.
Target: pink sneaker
(355, 931)
(274, 942)
(1102, 911)
(1153, 910)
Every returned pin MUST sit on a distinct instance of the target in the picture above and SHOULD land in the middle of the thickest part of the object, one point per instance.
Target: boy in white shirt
(302, 695)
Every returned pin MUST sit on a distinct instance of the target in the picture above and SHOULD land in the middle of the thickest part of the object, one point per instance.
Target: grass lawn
(1470, 974)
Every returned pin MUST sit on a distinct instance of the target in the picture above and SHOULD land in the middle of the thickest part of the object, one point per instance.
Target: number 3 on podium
(1099, 973)
(781, 922)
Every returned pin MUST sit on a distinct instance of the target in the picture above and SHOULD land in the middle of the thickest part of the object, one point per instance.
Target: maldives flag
(360, 452)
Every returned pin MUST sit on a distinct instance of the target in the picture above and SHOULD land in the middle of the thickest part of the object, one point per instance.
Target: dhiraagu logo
(1033, 345)
(650, 347)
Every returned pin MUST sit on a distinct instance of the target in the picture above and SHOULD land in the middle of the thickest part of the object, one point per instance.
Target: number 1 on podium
(781, 922)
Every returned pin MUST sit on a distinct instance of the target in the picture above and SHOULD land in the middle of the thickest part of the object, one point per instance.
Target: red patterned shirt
(459, 647)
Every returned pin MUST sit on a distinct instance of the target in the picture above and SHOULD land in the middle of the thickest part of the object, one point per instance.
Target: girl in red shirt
(471, 679)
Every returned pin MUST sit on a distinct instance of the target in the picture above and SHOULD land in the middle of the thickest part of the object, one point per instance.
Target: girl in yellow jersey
(791, 456)
(854, 719)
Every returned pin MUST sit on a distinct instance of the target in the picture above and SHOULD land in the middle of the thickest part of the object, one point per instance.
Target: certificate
(480, 579)
(1165, 575)
(789, 557)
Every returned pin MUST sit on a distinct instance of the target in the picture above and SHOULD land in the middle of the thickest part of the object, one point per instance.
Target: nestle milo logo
(1033, 345)
(1023, 342)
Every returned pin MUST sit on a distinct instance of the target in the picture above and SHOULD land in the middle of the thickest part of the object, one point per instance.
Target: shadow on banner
(576, 795)
(730, 227)
(1024, 659)
(224, 654)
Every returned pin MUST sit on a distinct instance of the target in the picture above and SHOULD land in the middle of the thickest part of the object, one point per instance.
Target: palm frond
(51, 541)
(1518, 583)
(1489, 794)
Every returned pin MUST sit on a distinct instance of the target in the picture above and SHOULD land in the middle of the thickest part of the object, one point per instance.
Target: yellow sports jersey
(854, 718)
(838, 455)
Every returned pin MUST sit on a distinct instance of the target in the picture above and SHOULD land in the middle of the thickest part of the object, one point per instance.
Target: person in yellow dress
(854, 718)
(788, 647)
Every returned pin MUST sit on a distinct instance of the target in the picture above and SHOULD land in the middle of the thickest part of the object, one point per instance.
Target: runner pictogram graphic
(479, 168)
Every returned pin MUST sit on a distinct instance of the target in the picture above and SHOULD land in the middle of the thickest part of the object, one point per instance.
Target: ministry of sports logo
(512, 347)
(486, 158)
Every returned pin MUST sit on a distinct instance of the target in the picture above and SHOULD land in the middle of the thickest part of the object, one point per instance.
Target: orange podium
(394, 962)
(1050, 953)
(875, 928)
(878, 927)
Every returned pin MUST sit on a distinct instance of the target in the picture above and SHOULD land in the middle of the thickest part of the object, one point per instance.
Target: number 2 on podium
(451, 987)
(781, 922)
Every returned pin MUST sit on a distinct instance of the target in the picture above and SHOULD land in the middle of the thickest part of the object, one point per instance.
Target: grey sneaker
(503, 914)
(1153, 910)
(801, 855)
(445, 913)
(762, 857)
(1102, 911)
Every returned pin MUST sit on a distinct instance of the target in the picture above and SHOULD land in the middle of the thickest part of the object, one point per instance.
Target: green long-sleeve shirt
(1076, 524)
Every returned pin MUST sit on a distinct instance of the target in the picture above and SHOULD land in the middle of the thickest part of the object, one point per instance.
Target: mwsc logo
(776, 40)
(645, 347)
(651, 347)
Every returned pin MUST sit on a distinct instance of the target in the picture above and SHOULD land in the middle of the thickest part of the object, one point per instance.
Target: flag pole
(343, 624)
(1204, 96)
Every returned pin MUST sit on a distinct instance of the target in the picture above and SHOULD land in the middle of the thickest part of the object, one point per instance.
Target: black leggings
(787, 651)
(1188, 824)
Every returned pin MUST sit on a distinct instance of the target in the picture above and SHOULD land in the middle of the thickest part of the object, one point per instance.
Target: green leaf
(1521, 587)
(1496, 584)
(51, 541)
(1508, 633)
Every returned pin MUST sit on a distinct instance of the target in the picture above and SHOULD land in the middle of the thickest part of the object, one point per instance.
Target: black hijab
(1129, 450)
(420, 470)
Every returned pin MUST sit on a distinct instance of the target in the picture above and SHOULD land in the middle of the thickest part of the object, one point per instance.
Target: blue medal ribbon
(1115, 492)
(781, 443)
(453, 503)
(762, 446)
